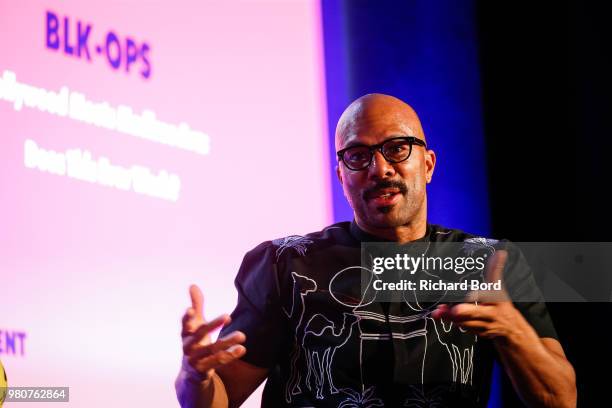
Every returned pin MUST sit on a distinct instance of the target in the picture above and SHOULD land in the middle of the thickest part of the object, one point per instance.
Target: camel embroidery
(320, 349)
(302, 286)
(462, 356)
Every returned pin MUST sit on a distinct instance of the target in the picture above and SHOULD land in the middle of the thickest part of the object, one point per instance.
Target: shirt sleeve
(258, 312)
(523, 290)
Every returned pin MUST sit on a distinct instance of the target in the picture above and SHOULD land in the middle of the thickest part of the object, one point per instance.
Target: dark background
(546, 79)
(519, 95)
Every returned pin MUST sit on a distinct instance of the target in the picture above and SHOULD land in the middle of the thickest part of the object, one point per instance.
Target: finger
(487, 296)
(217, 359)
(197, 300)
(465, 311)
(190, 322)
(228, 341)
(474, 326)
(440, 311)
(222, 344)
(203, 330)
(493, 274)
(188, 315)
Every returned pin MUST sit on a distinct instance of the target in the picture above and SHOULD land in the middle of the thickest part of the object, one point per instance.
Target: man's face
(386, 195)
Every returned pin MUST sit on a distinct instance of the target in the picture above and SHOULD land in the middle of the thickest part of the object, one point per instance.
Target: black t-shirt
(300, 305)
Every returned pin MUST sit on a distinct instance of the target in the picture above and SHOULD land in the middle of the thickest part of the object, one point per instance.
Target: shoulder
(303, 245)
(439, 233)
(266, 265)
(470, 243)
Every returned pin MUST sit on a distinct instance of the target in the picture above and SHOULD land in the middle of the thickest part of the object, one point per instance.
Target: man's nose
(380, 167)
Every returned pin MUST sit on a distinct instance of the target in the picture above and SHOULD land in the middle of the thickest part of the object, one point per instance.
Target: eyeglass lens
(394, 151)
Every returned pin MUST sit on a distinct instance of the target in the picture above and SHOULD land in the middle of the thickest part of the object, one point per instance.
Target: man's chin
(385, 209)
(385, 217)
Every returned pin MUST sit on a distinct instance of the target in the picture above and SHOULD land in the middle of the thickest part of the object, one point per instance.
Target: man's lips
(384, 197)
(385, 193)
(382, 193)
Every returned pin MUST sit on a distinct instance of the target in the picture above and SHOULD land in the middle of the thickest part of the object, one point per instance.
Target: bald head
(373, 112)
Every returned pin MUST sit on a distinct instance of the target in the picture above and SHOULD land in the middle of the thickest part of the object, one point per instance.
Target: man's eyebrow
(354, 144)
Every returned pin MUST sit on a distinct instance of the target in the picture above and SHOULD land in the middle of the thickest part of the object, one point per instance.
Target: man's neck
(401, 234)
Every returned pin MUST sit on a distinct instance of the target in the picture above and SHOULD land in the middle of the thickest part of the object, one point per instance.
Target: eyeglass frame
(412, 140)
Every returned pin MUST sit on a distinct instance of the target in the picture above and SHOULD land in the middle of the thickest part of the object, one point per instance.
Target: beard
(390, 216)
(385, 209)
(387, 216)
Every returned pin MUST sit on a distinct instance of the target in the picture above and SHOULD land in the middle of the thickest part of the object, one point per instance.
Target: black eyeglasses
(394, 150)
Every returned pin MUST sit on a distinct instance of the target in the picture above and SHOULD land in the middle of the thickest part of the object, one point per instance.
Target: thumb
(495, 266)
(493, 273)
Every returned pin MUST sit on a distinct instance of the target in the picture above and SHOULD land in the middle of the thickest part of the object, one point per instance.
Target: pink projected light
(146, 147)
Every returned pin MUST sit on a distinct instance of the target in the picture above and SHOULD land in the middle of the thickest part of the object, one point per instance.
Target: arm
(229, 386)
(241, 379)
(537, 367)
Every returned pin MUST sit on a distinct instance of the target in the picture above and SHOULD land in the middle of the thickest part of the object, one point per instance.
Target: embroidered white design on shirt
(297, 242)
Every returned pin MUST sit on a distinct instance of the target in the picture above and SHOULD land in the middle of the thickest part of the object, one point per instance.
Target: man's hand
(489, 314)
(200, 354)
(212, 374)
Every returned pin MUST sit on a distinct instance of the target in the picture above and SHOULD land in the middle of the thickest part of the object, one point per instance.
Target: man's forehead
(369, 135)
(374, 118)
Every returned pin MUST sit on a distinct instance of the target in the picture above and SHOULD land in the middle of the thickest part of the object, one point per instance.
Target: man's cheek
(350, 195)
(351, 188)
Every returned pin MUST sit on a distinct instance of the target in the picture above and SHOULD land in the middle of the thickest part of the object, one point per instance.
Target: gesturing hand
(201, 356)
(491, 313)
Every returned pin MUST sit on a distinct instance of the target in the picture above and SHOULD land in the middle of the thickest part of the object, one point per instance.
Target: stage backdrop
(145, 146)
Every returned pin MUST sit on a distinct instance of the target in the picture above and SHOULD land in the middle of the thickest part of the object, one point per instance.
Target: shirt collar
(363, 236)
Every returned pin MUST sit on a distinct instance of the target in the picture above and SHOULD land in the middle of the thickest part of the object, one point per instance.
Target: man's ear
(338, 174)
(430, 164)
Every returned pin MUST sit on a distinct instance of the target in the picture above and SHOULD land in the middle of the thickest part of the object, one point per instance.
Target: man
(303, 323)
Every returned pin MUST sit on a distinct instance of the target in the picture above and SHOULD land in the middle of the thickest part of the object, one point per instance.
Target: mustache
(385, 184)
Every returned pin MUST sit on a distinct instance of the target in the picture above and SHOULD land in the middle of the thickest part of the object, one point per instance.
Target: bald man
(302, 321)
